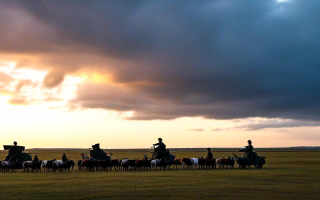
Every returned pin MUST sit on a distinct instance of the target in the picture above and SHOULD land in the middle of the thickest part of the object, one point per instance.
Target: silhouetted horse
(47, 165)
(176, 163)
(210, 163)
(34, 166)
(115, 164)
(186, 162)
(201, 162)
(89, 165)
(126, 163)
(105, 164)
(7, 166)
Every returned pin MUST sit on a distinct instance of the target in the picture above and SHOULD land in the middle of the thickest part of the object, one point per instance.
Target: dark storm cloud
(217, 59)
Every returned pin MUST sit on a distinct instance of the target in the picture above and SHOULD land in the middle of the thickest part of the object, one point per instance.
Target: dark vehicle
(253, 159)
(99, 154)
(162, 153)
(15, 153)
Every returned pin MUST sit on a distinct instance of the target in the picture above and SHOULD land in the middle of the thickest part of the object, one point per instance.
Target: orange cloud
(18, 101)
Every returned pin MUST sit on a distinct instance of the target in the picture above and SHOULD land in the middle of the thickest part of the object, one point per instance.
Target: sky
(124, 73)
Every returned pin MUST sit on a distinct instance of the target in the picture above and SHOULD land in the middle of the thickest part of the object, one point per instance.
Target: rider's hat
(249, 141)
(159, 138)
(208, 149)
(15, 142)
(36, 156)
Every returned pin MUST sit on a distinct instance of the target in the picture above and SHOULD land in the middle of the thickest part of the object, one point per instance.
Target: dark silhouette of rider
(14, 152)
(160, 144)
(209, 154)
(64, 157)
(35, 159)
(247, 150)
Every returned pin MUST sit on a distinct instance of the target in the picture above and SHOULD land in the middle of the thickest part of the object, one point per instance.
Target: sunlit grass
(286, 175)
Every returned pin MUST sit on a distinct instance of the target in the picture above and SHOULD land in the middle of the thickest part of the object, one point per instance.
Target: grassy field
(293, 174)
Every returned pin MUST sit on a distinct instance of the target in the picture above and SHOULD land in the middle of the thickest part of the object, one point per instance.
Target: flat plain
(288, 174)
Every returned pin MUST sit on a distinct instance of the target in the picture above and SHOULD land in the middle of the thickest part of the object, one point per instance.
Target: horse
(146, 163)
(220, 162)
(139, 164)
(7, 165)
(229, 163)
(72, 164)
(186, 162)
(105, 164)
(225, 162)
(163, 164)
(115, 163)
(89, 164)
(194, 162)
(210, 163)
(143, 164)
(61, 165)
(201, 163)
(47, 165)
(35, 166)
(126, 163)
(154, 163)
(79, 165)
(176, 163)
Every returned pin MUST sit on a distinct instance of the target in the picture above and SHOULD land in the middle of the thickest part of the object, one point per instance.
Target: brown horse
(89, 165)
(210, 163)
(35, 166)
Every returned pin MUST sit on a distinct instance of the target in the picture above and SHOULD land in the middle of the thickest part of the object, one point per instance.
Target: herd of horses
(37, 166)
(115, 164)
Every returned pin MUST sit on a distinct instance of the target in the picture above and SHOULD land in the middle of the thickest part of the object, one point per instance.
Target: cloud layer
(217, 59)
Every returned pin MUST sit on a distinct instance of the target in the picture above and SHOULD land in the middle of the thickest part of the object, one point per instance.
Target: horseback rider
(64, 157)
(35, 159)
(160, 145)
(209, 155)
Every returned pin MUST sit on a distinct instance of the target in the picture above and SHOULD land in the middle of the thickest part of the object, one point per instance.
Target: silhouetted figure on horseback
(64, 158)
(35, 159)
(209, 154)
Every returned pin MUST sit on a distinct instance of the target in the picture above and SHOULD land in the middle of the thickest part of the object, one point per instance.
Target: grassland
(292, 174)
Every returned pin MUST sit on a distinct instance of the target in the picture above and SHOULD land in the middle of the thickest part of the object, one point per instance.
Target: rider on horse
(35, 159)
(209, 155)
(64, 157)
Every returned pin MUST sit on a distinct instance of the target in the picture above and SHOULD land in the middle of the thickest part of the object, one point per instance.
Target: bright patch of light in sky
(281, 1)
